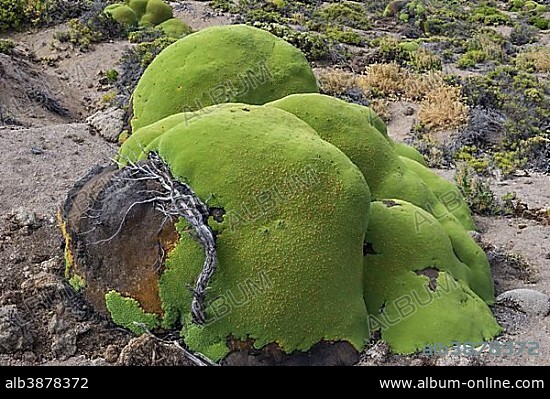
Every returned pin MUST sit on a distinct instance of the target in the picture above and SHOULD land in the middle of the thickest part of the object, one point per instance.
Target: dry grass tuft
(394, 82)
(441, 105)
(443, 109)
(336, 82)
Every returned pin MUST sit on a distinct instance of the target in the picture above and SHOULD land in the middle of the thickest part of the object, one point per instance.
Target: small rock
(522, 226)
(64, 346)
(109, 123)
(111, 354)
(461, 360)
(37, 150)
(38, 258)
(376, 355)
(529, 301)
(43, 281)
(58, 324)
(409, 111)
(25, 218)
(13, 335)
(29, 357)
(49, 265)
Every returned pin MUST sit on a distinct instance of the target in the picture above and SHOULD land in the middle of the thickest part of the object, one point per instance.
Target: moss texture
(405, 150)
(218, 65)
(304, 255)
(270, 240)
(175, 28)
(362, 136)
(445, 191)
(416, 289)
(127, 313)
(347, 127)
(131, 13)
(290, 245)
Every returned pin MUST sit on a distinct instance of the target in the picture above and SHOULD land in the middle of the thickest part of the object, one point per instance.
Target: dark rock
(321, 354)
(13, 334)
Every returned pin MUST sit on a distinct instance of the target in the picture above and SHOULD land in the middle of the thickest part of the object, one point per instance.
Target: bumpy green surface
(405, 150)
(217, 65)
(131, 13)
(447, 192)
(347, 127)
(135, 147)
(123, 14)
(409, 314)
(157, 12)
(296, 178)
(175, 28)
(127, 313)
(290, 247)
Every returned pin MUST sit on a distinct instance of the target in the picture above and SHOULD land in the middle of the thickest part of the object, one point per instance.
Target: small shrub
(424, 60)
(478, 194)
(489, 15)
(11, 15)
(337, 82)
(6, 46)
(395, 82)
(539, 22)
(79, 34)
(523, 34)
(346, 13)
(223, 5)
(443, 108)
(346, 36)
(314, 45)
(471, 58)
(535, 59)
(109, 98)
(474, 157)
(92, 27)
(111, 76)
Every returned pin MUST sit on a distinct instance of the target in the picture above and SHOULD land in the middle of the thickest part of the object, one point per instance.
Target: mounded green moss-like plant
(301, 259)
(123, 14)
(445, 191)
(218, 65)
(127, 313)
(345, 126)
(405, 150)
(416, 289)
(132, 13)
(258, 239)
(175, 28)
(157, 12)
(296, 214)
(350, 127)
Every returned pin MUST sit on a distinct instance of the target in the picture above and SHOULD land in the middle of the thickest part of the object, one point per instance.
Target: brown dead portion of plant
(441, 105)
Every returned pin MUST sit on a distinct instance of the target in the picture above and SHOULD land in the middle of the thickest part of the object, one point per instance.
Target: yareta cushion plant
(284, 223)
(218, 65)
(148, 13)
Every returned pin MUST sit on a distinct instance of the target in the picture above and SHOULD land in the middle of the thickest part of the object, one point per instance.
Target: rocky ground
(54, 142)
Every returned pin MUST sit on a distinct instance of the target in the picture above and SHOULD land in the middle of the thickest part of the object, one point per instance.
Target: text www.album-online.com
(484, 383)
